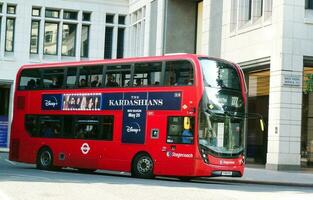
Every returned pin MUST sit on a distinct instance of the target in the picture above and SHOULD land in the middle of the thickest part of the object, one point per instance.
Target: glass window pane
(84, 51)
(68, 39)
(50, 126)
(53, 78)
(176, 132)
(108, 42)
(34, 38)
(51, 38)
(11, 9)
(86, 16)
(120, 43)
(121, 19)
(147, 74)
(1, 7)
(178, 73)
(71, 77)
(9, 35)
(109, 18)
(90, 76)
(52, 13)
(30, 79)
(118, 78)
(70, 15)
(36, 12)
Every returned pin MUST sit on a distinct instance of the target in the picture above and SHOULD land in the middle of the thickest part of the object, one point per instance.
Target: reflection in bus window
(90, 76)
(30, 79)
(79, 127)
(71, 77)
(179, 73)
(53, 78)
(176, 134)
(147, 74)
(118, 76)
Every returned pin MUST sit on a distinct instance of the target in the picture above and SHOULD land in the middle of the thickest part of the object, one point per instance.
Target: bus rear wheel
(142, 166)
(45, 159)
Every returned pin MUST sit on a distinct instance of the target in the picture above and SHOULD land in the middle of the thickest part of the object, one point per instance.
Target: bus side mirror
(262, 124)
(186, 123)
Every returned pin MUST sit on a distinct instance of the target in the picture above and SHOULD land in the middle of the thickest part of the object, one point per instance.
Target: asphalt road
(24, 182)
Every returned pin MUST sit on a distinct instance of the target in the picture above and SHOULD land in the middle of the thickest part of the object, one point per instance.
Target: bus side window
(179, 73)
(147, 74)
(53, 78)
(90, 76)
(30, 79)
(178, 133)
(118, 76)
(71, 77)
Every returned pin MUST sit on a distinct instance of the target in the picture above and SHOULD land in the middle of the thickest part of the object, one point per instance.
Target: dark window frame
(6, 34)
(38, 32)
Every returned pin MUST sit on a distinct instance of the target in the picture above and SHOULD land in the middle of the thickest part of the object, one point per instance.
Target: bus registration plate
(227, 173)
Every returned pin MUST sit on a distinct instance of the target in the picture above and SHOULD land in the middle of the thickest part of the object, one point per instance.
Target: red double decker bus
(175, 115)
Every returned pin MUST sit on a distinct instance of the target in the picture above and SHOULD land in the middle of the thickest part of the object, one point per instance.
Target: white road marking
(3, 196)
(9, 161)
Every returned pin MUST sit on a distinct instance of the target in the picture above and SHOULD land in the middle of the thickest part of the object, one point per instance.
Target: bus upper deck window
(30, 79)
(179, 73)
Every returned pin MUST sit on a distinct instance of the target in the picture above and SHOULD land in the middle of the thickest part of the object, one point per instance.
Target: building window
(51, 38)
(52, 13)
(1, 6)
(11, 9)
(108, 42)
(137, 31)
(109, 19)
(84, 49)
(70, 15)
(69, 40)
(9, 35)
(120, 43)
(34, 39)
(309, 4)
(36, 12)
(86, 16)
(121, 19)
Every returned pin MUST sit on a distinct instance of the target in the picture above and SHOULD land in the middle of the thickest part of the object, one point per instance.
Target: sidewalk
(263, 176)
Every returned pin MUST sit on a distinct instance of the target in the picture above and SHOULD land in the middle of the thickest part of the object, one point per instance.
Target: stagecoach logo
(85, 148)
(134, 127)
(179, 155)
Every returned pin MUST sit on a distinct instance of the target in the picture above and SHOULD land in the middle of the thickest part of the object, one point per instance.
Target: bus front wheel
(142, 166)
(45, 159)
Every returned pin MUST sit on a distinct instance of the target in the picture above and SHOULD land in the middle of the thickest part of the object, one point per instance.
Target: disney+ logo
(51, 101)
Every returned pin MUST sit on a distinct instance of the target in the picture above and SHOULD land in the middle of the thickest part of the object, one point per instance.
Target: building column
(284, 129)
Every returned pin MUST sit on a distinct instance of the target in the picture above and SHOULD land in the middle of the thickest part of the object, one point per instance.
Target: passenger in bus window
(95, 82)
(187, 136)
(138, 82)
(82, 83)
(111, 81)
(31, 84)
(55, 83)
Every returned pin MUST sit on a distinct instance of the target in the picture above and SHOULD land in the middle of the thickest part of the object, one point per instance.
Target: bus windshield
(221, 120)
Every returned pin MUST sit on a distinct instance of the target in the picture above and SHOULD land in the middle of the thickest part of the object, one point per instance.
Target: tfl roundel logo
(85, 148)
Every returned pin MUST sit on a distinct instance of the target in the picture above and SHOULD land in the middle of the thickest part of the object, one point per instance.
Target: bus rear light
(20, 102)
(14, 149)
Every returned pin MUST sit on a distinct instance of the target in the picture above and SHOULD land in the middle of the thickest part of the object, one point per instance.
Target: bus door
(176, 149)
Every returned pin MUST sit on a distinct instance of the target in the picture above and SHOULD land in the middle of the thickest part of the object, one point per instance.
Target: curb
(262, 182)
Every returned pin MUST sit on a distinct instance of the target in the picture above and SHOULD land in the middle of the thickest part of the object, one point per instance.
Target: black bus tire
(142, 166)
(45, 159)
